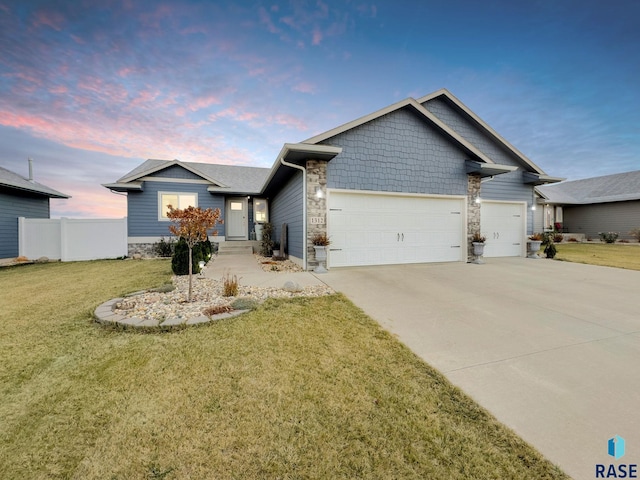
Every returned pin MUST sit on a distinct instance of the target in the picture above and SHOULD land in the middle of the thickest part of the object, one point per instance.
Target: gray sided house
(600, 204)
(20, 197)
(410, 183)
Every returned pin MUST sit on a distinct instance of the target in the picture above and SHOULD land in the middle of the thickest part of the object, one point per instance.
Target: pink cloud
(317, 37)
(265, 19)
(51, 19)
(59, 89)
(103, 90)
(204, 102)
(145, 97)
(78, 40)
(305, 87)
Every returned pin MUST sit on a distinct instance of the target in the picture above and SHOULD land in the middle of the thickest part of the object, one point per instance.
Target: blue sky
(90, 89)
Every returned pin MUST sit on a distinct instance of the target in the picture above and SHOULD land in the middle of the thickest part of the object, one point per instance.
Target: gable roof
(222, 178)
(406, 103)
(417, 106)
(12, 180)
(618, 187)
(478, 122)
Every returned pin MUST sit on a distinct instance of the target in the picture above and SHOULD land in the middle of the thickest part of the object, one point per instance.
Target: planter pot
(258, 229)
(534, 246)
(478, 251)
(276, 253)
(321, 257)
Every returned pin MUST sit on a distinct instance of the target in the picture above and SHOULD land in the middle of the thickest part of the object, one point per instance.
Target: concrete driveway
(552, 349)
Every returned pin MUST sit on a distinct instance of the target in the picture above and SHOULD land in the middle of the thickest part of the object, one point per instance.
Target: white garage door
(504, 225)
(379, 229)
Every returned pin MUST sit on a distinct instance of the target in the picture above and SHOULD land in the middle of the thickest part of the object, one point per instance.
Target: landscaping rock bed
(169, 307)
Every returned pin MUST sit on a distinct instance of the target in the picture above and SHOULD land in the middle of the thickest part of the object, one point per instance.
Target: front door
(236, 223)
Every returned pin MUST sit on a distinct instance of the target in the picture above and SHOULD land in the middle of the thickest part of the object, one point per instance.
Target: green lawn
(621, 255)
(305, 388)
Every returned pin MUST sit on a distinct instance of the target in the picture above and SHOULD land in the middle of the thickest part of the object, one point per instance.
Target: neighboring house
(20, 197)
(410, 183)
(600, 204)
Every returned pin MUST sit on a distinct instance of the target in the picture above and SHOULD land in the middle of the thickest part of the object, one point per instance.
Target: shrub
(266, 245)
(244, 303)
(229, 285)
(558, 237)
(216, 309)
(207, 250)
(180, 259)
(550, 250)
(608, 237)
(547, 243)
(572, 239)
(536, 237)
(635, 233)
(164, 248)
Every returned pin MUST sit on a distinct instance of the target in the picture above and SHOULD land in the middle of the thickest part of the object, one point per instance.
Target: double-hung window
(176, 200)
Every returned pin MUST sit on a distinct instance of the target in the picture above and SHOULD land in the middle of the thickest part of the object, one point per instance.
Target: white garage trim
(381, 228)
(505, 226)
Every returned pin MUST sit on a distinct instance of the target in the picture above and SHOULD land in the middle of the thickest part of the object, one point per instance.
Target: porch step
(243, 247)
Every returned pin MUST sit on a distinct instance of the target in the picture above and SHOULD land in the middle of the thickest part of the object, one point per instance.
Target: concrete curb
(105, 315)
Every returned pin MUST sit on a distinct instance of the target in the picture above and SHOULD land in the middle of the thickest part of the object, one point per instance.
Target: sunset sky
(90, 89)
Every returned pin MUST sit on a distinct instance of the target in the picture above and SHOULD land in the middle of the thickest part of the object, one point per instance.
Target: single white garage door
(504, 225)
(381, 229)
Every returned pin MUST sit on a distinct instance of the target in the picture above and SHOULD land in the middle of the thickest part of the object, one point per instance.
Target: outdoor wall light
(533, 207)
(477, 200)
(319, 193)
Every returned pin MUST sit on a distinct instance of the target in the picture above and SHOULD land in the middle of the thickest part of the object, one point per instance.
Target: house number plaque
(316, 220)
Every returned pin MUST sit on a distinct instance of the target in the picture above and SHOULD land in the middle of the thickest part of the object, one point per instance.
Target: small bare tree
(193, 224)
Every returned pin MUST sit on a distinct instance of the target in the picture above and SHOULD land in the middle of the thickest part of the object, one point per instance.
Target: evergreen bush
(267, 242)
(180, 259)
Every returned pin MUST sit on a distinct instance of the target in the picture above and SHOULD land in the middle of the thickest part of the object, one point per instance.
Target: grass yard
(306, 388)
(606, 254)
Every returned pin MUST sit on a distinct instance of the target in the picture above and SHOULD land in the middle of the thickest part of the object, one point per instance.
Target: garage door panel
(378, 229)
(503, 224)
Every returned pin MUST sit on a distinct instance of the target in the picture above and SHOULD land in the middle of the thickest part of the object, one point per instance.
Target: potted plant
(320, 243)
(276, 249)
(478, 247)
(535, 240)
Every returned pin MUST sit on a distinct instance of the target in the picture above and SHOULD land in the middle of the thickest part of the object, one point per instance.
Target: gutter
(304, 204)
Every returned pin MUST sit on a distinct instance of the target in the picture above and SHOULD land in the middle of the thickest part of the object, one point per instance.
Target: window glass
(260, 210)
(236, 205)
(176, 200)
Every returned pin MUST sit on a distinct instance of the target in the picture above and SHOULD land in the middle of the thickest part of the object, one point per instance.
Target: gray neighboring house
(610, 203)
(410, 183)
(20, 197)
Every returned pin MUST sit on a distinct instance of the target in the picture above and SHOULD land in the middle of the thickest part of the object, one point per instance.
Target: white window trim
(160, 194)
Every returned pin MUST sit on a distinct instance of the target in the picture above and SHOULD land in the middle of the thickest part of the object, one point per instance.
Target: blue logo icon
(616, 447)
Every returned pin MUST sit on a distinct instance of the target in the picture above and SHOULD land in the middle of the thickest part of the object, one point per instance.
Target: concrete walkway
(552, 349)
(249, 272)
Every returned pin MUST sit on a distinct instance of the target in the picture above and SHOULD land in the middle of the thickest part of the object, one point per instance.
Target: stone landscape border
(105, 314)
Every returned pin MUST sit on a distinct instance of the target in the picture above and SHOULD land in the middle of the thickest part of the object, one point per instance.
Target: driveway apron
(552, 349)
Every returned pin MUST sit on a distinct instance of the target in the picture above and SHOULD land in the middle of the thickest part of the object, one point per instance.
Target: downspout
(304, 206)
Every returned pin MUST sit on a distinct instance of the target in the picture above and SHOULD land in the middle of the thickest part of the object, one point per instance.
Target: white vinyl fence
(70, 239)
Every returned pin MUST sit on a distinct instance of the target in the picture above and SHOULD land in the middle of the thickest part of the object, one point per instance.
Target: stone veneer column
(473, 211)
(316, 206)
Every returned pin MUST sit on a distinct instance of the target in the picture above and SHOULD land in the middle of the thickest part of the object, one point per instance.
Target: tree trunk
(190, 270)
